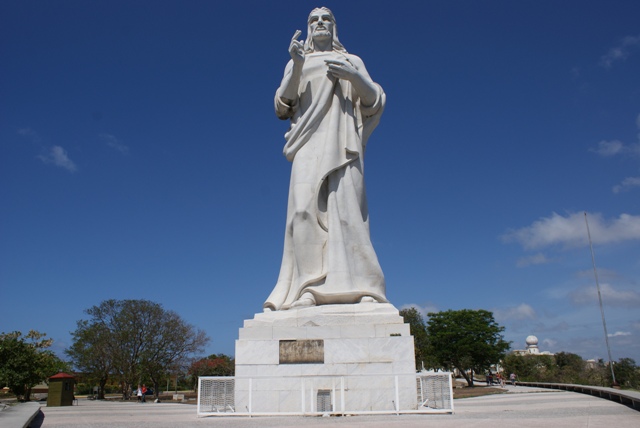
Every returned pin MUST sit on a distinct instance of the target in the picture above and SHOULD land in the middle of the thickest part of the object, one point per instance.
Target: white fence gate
(319, 395)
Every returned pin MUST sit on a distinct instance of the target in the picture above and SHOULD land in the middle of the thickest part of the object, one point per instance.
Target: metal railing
(325, 395)
(628, 398)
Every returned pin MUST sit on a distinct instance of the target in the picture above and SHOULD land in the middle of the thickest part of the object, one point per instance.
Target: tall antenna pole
(604, 323)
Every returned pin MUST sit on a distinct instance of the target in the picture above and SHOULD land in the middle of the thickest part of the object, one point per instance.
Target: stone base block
(343, 357)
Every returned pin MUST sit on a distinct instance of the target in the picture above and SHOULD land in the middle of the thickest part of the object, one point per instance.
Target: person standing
(144, 393)
(139, 393)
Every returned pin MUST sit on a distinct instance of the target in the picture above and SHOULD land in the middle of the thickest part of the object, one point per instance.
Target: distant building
(531, 348)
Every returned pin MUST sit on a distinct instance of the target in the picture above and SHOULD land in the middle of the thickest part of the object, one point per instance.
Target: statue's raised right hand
(296, 48)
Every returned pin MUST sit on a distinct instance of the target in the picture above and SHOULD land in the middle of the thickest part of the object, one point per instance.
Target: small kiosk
(61, 388)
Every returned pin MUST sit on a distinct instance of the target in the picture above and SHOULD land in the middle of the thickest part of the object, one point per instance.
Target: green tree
(139, 340)
(571, 368)
(530, 368)
(25, 361)
(91, 353)
(420, 337)
(171, 342)
(627, 373)
(466, 339)
(213, 365)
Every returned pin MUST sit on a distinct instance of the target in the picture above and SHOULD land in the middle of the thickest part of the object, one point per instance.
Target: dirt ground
(477, 391)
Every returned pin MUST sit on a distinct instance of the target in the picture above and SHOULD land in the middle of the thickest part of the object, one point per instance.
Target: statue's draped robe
(327, 246)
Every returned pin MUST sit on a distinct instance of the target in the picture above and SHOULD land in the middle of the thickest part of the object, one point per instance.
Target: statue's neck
(323, 45)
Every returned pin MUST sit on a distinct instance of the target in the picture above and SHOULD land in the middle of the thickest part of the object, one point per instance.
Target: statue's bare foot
(267, 310)
(305, 300)
(368, 299)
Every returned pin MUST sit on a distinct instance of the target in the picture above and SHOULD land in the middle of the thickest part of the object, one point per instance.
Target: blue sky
(140, 157)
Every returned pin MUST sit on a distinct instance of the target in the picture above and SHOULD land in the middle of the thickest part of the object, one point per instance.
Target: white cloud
(29, 134)
(549, 343)
(423, 310)
(557, 327)
(536, 259)
(520, 312)
(114, 143)
(615, 147)
(610, 296)
(605, 275)
(58, 156)
(620, 52)
(571, 231)
(627, 184)
(619, 333)
(608, 148)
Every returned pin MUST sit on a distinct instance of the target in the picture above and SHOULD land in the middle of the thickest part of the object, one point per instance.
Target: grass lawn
(477, 391)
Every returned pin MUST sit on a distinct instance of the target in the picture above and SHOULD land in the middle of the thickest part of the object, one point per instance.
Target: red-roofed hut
(61, 390)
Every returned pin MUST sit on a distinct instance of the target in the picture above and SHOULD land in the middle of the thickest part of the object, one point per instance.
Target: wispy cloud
(619, 333)
(423, 310)
(621, 51)
(627, 184)
(615, 147)
(58, 157)
(618, 148)
(560, 326)
(30, 135)
(114, 143)
(610, 296)
(603, 273)
(536, 259)
(570, 231)
(550, 343)
(520, 312)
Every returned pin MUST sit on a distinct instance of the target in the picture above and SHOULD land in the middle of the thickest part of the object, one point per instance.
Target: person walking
(139, 393)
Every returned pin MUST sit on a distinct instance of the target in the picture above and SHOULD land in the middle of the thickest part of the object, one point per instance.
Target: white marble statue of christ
(333, 106)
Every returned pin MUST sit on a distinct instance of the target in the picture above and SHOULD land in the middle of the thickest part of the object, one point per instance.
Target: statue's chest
(315, 65)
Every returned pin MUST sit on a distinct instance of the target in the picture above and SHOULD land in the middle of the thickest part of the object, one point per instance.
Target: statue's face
(321, 24)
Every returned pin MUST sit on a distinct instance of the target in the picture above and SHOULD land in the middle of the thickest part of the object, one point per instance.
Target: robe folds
(327, 246)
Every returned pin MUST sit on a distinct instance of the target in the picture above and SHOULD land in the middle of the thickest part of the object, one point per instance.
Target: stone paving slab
(19, 415)
(524, 407)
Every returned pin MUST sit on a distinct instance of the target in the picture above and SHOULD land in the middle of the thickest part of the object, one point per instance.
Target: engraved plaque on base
(302, 351)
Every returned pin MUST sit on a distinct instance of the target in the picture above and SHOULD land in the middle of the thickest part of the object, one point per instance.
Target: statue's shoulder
(355, 60)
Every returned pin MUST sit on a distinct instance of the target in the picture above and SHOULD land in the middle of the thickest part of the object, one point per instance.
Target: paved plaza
(521, 407)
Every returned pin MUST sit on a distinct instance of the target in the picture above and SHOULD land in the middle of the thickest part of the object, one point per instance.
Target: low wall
(628, 398)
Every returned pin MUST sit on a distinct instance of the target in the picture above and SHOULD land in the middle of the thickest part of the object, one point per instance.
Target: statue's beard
(322, 33)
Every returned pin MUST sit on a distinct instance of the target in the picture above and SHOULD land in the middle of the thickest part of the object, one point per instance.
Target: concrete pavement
(19, 415)
(521, 407)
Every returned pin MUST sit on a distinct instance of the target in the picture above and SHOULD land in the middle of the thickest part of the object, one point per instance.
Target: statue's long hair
(308, 43)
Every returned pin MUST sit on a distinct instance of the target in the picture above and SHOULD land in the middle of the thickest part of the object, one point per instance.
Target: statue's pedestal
(332, 358)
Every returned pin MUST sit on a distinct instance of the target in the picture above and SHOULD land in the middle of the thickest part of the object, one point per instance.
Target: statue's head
(321, 23)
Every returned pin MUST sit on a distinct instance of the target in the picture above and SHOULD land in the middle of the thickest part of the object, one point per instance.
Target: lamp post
(604, 323)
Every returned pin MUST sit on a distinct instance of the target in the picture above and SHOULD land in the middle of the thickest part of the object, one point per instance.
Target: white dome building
(531, 347)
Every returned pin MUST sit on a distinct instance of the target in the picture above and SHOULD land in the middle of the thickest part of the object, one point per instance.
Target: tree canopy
(25, 361)
(627, 373)
(420, 338)
(565, 367)
(213, 365)
(466, 339)
(137, 341)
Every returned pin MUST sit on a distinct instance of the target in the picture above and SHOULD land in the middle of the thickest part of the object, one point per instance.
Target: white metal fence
(319, 395)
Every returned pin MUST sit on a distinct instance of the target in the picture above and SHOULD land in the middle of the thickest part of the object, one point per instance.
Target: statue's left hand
(342, 69)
